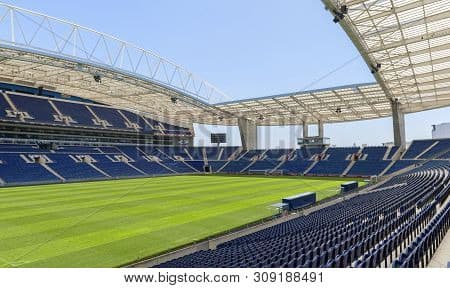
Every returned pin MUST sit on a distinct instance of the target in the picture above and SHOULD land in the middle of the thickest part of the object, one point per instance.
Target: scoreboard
(218, 138)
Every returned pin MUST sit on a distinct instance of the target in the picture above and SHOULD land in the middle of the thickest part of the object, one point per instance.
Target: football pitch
(112, 223)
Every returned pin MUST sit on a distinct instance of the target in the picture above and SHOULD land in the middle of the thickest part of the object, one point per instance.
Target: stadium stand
(295, 166)
(417, 147)
(39, 109)
(368, 168)
(15, 170)
(76, 112)
(216, 165)
(330, 168)
(263, 165)
(367, 230)
(52, 111)
(373, 153)
(399, 220)
(441, 146)
(392, 152)
(235, 166)
(123, 161)
(340, 153)
(401, 164)
(69, 169)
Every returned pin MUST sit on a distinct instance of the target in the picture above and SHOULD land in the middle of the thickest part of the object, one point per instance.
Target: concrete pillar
(191, 139)
(249, 134)
(398, 123)
(305, 130)
(320, 125)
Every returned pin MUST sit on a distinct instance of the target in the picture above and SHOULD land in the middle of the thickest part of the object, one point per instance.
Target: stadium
(98, 165)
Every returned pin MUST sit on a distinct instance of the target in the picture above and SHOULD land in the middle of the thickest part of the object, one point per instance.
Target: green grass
(111, 223)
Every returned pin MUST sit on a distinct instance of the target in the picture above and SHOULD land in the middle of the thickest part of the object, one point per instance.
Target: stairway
(53, 172)
(426, 150)
(349, 167)
(388, 167)
(310, 167)
(99, 170)
(386, 154)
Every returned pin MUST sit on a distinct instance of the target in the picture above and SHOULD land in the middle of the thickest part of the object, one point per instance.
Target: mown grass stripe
(134, 218)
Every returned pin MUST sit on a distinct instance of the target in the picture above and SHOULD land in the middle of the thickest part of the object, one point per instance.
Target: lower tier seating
(367, 230)
(117, 161)
(14, 169)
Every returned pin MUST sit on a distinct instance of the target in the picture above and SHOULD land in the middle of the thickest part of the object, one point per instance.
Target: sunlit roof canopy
(406, 44)
(40, 50)
(346, 103)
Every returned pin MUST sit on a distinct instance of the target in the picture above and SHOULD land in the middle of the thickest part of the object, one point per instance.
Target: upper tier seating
(80, 149)
(445, 155)
(251, 154)
(54, 111)
(327, 167)
(6, 148)
(228, 152)
(111, 116)
(442, 146)
(374, 153)
(392, 152)
(196, 152)
(212, 153)
(366, 230)
(306, 153)
(340, 153)
(38, 108)
(417, 147)
(276, 154)
(368, 168)
(77, 112)
(137, 120)
(3, 107)
(401, 164)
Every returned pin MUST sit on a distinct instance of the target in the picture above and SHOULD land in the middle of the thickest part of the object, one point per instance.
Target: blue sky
(246, 49)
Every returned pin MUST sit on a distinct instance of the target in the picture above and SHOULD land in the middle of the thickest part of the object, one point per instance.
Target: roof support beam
(390, 12)
(305, 129)
(398, 123)
(320, 126)
(249, 133)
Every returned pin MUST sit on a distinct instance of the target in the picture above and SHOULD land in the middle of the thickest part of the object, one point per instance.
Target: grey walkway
(442, 255)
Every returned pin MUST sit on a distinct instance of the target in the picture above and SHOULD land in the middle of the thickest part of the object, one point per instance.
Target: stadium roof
(345, 103)
(405, 44)
(39, 50)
